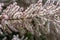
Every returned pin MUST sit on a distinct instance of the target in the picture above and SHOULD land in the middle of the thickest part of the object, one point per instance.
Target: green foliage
(29, 35)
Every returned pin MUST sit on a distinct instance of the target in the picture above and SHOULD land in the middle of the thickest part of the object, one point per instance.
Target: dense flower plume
(1, 4)
(38, 19)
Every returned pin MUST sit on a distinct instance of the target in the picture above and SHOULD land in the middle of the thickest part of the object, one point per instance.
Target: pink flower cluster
(1, 4)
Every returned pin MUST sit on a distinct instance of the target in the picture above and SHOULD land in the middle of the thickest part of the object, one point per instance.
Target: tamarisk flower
(37, 18)
(1, 4)
(16, 37)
